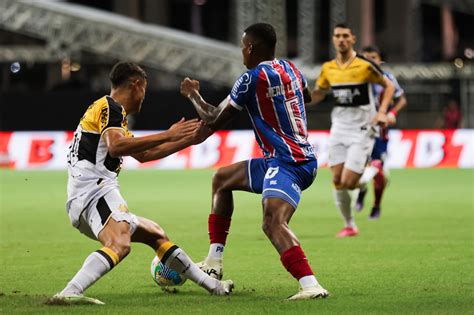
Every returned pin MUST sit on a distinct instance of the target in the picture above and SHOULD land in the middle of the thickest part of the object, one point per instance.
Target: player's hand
(202, 133)
(391, 119)
(188, 86)
(183, 128)
(380, 119)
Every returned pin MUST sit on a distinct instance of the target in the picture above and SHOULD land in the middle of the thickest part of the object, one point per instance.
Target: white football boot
(309, 293)
(74, 299)
(213, 267)
(225, 287)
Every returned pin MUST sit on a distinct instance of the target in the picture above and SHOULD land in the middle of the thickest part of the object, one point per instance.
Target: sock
(175, 258)
(369, 173)
(95, 266)
(218, 227)
(343, 203)
(294, 260)
(216, 251)
(379, 187)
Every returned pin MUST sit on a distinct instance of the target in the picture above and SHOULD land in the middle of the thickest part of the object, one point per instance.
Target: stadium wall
(407, 149)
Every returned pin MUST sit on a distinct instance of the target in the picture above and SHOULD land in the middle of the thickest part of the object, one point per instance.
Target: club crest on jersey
(241, 85)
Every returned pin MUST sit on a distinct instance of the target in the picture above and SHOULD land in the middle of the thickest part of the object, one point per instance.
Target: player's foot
(348, 231)
(213, 267)
(359, 205)
(78, 299)
(375, 213)
(225, 287)
(309, 293)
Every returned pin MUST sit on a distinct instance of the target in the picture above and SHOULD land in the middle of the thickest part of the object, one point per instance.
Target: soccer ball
(165, 276)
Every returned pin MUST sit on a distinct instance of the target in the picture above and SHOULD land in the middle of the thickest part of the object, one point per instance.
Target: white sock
(216, 251)
(94, 267)
(343, 203)
(179, 261)
(308, 281)
(369, 173)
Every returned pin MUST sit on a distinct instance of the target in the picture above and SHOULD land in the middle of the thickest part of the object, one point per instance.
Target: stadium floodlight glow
(75, 66)
(458, 63)
(469, 53)
(15, 67)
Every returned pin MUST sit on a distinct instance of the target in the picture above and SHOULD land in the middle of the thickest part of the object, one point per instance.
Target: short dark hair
(342, 25)
(263, 32)
(123, 71)
(371, 49)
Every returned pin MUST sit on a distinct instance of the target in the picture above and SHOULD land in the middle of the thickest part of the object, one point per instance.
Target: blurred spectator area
(47, 81)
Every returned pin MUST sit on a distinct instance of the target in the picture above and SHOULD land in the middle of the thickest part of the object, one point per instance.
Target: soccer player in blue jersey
(377, 169)
(273, 92)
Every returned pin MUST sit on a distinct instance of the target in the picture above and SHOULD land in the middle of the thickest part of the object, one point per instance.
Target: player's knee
(337, 182)
(349, 184)
(377, 163)
(267, 225)
(218, 180)
(271, 225)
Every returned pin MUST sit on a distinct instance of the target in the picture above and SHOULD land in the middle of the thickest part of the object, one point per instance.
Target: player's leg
(380, 183)
(150, 233)
(370, 171)
(357, 155)
(224, 181)
(104, 221)
(281, 194)
(342, 199)
(277, 214)
(338, 150)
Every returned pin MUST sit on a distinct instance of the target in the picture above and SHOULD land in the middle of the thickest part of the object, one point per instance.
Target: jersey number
(296, 118)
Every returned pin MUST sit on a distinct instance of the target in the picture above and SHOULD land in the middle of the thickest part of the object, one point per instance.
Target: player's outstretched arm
(214, 117)
(389, 89)
(400, 103)
(119, 145)
(168, 148)
(317, 96)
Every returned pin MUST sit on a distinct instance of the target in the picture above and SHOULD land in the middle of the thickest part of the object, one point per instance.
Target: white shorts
(92, 219)
(351, 148)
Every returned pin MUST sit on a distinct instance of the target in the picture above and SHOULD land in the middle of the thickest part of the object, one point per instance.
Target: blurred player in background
(273, 91)
(354, 117)
(377, 169)
(95, 205)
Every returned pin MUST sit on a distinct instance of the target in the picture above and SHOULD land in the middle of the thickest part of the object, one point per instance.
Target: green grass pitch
(417, 259)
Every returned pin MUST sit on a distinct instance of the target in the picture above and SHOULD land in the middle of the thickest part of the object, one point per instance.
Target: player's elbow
(114, 151)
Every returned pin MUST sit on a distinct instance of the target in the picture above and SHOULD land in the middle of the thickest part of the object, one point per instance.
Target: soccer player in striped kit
(273, 92)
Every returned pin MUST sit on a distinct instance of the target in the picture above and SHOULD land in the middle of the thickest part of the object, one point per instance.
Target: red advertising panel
(407, 149)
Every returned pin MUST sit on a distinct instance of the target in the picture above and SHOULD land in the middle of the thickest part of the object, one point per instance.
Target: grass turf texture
(418, 258)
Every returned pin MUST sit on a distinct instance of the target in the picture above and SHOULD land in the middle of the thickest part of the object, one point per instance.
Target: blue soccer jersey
(378, 89)
(272, 92)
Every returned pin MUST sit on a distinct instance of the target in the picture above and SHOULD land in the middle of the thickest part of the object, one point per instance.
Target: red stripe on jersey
(266, 109)
(296, 151)
(269, 114)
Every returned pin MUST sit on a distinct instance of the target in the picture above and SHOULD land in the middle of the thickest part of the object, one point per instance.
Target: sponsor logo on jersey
(278, 90)
(346, 96)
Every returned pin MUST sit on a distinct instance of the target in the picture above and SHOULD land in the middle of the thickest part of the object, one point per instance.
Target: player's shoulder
(329, 64)
(113, 105)
(369, 63)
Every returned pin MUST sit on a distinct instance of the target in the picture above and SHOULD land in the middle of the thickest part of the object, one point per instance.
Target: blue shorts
(277, 179)
(379, 152)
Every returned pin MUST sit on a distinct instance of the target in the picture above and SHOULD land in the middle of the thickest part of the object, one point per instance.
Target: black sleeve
(111, 115)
